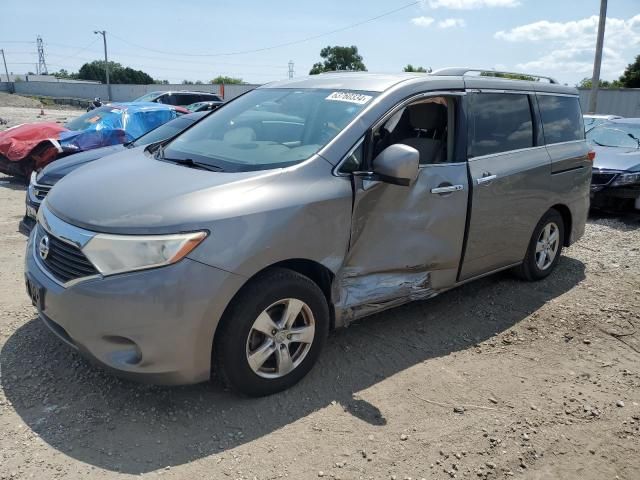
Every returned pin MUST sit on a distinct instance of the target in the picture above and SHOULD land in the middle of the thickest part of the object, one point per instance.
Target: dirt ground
(496, 379)
(15, 109)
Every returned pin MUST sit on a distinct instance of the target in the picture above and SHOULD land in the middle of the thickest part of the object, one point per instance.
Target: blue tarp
(114, 124)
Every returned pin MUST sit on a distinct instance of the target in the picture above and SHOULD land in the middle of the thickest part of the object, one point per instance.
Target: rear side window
(561, 118)
(499, 122)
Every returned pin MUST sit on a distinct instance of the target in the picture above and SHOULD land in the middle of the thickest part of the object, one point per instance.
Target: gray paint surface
(384, 244)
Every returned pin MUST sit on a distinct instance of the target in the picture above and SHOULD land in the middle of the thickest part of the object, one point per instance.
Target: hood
(53, 172)
(616, 158)
(17, 142)
(133, 193)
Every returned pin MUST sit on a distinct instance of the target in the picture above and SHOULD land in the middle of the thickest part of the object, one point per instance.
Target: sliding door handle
(486, 179)
(447, 189)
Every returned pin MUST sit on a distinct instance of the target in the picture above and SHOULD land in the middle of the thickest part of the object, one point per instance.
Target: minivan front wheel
(272, 333)
(544, 248)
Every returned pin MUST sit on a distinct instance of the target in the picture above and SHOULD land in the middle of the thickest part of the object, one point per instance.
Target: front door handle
(486, 179)
(448, 189)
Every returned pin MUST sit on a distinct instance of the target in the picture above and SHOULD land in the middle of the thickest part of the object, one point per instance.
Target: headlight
(32, 179)
(626, 179)
(113, 254)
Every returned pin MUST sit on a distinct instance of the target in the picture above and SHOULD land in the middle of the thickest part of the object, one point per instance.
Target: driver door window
(423, 125)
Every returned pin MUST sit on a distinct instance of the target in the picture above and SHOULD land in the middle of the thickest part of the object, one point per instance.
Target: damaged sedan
(615, 184)
(30, 147)
(300, 207)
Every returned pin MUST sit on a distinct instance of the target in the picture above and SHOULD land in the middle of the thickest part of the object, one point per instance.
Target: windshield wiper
(189, 162)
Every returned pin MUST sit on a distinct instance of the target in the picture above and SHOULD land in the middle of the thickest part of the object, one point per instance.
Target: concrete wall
(5, 87)
(119, 93)
(624, 101)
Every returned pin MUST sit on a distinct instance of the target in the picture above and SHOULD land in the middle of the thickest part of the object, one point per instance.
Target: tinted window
(353, 162)
(187, 98)
(499, 122)
(167, 99)
(561, 118)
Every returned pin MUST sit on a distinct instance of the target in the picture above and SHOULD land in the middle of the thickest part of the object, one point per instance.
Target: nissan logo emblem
(43, 247)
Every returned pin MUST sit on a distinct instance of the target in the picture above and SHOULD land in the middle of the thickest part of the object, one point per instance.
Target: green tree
(510, 76)
(117, 73)
(631, 76)
(411, 68)
(187, 82)
(339, 58)
(586, 83)
(226, 80)
(62, 73)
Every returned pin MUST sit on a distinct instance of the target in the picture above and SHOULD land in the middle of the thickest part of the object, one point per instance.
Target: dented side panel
(406, 242)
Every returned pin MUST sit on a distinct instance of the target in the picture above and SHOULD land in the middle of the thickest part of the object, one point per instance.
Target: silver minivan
(299, 207)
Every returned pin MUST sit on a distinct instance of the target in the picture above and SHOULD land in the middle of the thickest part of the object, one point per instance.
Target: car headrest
(427, 116)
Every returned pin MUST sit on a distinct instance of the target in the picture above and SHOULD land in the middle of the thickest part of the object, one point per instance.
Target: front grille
(40, 191)
(65, 261)
(602, 178)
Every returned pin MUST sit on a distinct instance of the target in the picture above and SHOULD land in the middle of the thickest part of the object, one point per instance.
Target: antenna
(290, 68)
(41, 67)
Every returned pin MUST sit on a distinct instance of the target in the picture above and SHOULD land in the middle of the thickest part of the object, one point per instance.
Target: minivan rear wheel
(544, 248)
(272, 333)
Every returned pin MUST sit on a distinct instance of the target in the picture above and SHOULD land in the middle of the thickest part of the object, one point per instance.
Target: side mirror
(397, 164)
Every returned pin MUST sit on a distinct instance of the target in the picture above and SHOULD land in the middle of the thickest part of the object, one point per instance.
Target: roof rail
(461, 71)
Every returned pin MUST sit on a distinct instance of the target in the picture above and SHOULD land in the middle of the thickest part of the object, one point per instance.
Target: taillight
(591, 155)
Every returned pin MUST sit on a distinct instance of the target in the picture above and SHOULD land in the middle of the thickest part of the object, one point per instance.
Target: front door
(406, 242)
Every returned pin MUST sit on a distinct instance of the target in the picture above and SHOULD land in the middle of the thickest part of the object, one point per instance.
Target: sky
(255, 40)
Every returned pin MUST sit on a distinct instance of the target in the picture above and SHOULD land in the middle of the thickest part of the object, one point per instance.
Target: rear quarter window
(499, 122)
(561, 118)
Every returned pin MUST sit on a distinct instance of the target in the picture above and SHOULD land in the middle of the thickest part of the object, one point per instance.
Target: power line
(272, 47)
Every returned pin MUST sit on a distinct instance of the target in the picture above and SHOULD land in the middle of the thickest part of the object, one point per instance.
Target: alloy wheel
(280, 338)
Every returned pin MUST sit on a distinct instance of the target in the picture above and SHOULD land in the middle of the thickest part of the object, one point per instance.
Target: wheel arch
(318, 273)
(567, 219)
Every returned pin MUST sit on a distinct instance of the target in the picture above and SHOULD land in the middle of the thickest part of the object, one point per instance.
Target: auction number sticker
(350, 97)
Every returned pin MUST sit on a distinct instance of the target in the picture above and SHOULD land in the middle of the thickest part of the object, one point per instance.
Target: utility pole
(595, 80)
(290, 69)
(106, 60)
(41, 68)
(6, 70)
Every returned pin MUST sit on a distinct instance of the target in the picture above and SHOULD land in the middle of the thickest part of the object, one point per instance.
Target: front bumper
(32, 205)
(616, 197)
(155, 325)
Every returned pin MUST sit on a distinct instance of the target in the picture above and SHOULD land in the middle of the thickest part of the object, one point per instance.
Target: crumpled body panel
(17, 142)
(44, 142)
(361, 294)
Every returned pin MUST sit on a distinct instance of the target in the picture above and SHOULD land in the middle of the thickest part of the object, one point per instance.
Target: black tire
(529, 269)
(230, 348)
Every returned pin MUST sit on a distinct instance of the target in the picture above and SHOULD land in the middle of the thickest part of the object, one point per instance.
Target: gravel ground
(496, 379)
(15, 109)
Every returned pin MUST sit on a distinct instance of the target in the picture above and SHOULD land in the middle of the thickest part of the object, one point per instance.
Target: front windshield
(195, 106)
(626, 135)
(162, 132)
(149, 97)
(103, 115)
(268, 128)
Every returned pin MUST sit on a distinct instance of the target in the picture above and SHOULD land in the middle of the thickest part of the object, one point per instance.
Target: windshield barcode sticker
(350, 97)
